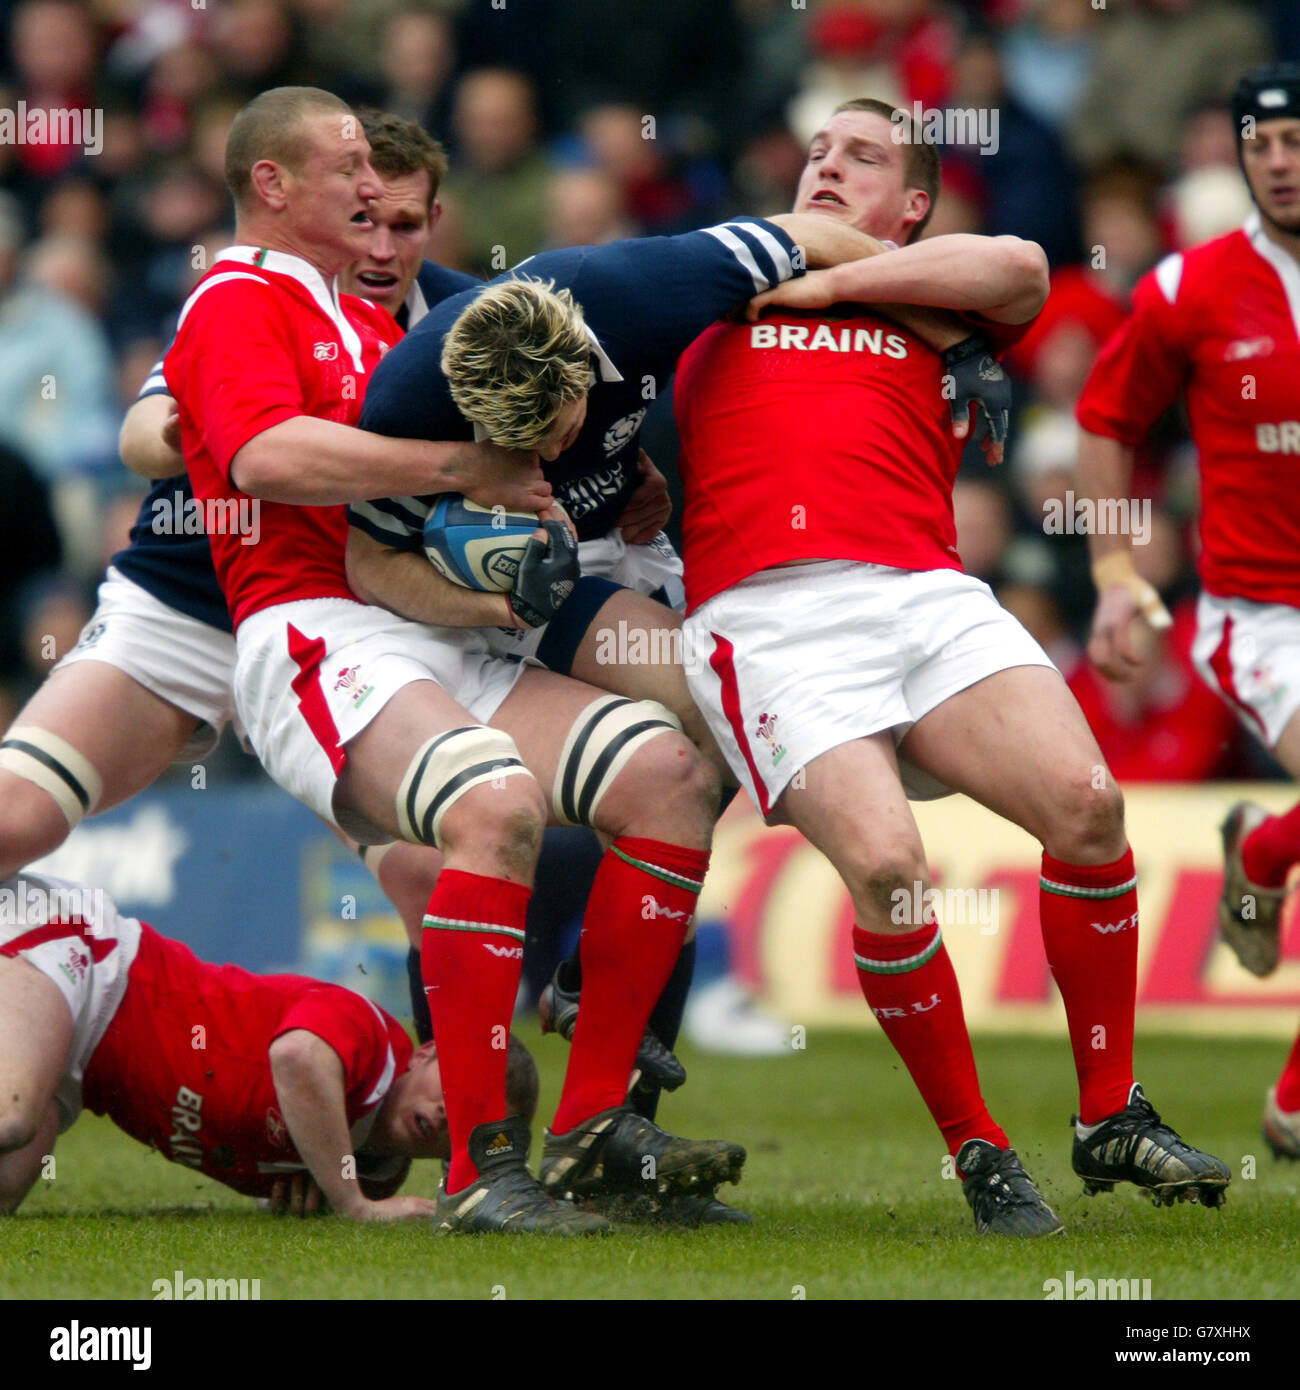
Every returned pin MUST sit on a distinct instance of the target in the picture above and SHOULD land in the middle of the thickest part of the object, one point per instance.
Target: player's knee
(636, 750)
(672, 768)
(890, 881)
(31, 823)
(503, 821)
(1090, 820)
(18, 1125)
(470, 777)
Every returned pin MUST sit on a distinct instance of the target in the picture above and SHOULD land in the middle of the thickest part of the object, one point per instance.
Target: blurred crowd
(580, 121)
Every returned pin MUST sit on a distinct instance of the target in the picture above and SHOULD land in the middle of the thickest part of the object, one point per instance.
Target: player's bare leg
(108, 738)
(1018, 743)
(35, 1039)
(424, 769)
(20, 1169)
(850, 803)
(630, 774)
(650, 635)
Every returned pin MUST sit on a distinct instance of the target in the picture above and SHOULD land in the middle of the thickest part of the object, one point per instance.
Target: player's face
(561, 435)
(413, 1117)
(333, 188)
(855, 174)
(403, 220)
(1272, 164)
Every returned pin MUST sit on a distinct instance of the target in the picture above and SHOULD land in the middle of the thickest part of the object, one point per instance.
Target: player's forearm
(825, 241)
(308, 1078)
(407, 584)
(1003, 278)
(1105, 471)
(319, 463)
(140, 440)
(937, 328)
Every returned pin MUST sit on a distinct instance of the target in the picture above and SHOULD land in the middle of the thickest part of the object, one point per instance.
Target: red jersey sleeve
(1139, 373)
(232, 366)
(372, 1047)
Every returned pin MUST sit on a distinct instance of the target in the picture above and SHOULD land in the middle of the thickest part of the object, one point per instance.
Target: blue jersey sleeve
(656, 295)
(155, 384)
(397, 522)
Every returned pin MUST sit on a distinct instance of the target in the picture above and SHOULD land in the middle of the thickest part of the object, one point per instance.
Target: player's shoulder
(439, 282)
(226, 288)
(365, 314)
(1184, 277)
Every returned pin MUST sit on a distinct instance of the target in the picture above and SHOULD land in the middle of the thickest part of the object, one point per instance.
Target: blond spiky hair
(515, 357)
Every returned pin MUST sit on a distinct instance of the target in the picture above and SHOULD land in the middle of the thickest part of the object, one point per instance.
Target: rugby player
(257, 1081)
(641, 301)
(381, 725)
(150, 681)
(842, 657)
(1222, 323)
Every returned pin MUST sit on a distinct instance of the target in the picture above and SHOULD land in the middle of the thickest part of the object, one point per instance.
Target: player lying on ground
(258, 1081)
(478, 367)
(402, 746)
(1220, 322)
(842, 657)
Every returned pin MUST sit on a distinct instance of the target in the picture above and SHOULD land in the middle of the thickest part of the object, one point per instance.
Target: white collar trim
(608, 371)
(306, 274)
(1286, 266)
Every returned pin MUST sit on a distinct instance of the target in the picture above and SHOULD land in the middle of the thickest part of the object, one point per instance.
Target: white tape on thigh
(603, 737)
(446, 768)
(54, 765)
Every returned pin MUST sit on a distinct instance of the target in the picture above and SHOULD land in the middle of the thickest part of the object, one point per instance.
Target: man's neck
(251, 233)
(1288, 241)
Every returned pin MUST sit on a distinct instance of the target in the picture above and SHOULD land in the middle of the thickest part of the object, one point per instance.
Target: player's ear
(435, 212)
(268, 183)
(424, 1054)
(918, 204)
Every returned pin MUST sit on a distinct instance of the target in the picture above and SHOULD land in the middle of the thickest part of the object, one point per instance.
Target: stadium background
(572, 121)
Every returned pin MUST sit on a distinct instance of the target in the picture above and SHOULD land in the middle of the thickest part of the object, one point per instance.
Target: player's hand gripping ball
(495, 551)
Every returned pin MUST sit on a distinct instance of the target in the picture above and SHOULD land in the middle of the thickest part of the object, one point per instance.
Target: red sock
(1089, 916)
(471, 955)
(1269, 851)
(637, 917)
(909, 982)
(1288, 1084)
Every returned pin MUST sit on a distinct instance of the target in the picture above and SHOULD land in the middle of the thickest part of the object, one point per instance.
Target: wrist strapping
(1117, 570)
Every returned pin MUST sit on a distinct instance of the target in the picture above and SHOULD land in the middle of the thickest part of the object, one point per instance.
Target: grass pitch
(844, 1179)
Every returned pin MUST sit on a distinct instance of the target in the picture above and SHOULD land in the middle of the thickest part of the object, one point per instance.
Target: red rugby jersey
(1220, 322)
(262, 339)
(185, 1067)
(809, 437)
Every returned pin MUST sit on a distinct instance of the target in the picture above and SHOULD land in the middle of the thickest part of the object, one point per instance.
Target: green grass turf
(844, 1178)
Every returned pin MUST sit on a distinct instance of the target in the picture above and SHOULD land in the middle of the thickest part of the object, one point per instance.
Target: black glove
(973, 376)
(548, 570)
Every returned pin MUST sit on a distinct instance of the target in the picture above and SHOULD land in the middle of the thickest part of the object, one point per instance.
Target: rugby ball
(474, 546)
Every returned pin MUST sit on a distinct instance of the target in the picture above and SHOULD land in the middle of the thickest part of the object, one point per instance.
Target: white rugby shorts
(795, 661)
(75, 936)
(1249, 654)
(644, 568)
(311, 675)
(181, 660)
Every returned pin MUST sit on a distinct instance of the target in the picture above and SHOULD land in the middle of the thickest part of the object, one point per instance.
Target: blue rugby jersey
(645, 300)
(168, 555)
